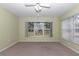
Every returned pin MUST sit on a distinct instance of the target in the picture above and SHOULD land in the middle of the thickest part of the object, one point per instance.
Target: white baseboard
(71, 48)
(8, 46)
(38, 41)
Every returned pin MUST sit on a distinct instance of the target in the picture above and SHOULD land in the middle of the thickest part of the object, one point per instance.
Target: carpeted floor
(38, 49)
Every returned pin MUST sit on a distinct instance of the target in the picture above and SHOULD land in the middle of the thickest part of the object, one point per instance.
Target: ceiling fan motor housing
(38, 8)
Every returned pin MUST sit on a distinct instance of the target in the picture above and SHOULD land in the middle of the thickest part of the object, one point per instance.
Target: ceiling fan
(38, 7)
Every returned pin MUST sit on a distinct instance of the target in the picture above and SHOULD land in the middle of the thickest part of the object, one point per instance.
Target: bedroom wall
(56, 29)
(71, 45)
(8, 28)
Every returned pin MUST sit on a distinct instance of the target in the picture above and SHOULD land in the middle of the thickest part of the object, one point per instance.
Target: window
(38, 29)
(70, 29)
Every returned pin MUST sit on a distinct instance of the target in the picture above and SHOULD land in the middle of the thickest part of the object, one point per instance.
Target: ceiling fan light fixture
(38, 8)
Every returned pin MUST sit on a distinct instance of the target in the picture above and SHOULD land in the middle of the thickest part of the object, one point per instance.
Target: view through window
(39, 29)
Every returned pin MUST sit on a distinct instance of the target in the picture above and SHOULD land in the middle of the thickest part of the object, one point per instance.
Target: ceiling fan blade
(45, 5)
(30, 5)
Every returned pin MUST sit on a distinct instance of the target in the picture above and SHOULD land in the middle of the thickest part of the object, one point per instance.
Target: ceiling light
(38, 8)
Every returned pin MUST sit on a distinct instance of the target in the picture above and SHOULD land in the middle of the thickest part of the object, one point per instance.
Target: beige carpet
(38, 49)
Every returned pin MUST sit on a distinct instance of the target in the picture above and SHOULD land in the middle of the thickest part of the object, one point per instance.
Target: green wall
(8, 28)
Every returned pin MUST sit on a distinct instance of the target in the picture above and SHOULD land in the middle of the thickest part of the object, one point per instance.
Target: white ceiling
(57, 9)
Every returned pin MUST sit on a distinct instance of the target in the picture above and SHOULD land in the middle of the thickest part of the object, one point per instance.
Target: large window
(38, 29)
(70, 29)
